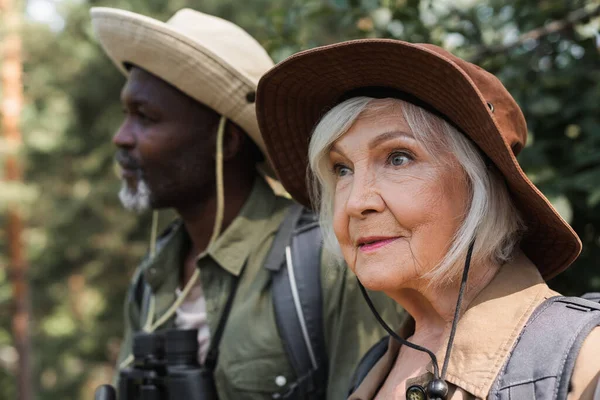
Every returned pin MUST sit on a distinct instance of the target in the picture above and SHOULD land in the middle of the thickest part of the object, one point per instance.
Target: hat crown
(208, 58)
(504, 108)
(225, 39)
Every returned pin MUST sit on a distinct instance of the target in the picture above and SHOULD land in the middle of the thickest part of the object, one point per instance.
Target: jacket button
(415, 392)
(280, 381)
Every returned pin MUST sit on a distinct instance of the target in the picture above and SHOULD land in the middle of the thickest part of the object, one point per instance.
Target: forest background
(80, 247)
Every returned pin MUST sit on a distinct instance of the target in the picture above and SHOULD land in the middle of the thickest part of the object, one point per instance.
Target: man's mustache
(126, 161)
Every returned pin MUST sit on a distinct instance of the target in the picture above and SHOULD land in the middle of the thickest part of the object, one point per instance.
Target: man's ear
(233, 141)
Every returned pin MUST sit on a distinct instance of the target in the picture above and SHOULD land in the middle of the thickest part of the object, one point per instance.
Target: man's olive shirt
(252, 362)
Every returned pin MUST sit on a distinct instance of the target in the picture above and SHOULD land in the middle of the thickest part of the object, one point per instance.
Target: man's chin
(135, 198)
(130, 183)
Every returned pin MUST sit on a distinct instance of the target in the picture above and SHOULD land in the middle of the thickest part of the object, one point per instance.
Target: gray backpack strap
(592, 296)
(295, 263)
(541, 363)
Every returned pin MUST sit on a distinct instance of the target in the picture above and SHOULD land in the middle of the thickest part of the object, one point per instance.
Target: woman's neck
(433, 308)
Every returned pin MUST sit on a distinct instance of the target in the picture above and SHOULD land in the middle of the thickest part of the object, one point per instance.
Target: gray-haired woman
(411, 159)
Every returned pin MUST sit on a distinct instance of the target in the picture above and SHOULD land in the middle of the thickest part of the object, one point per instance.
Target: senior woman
(410, 153)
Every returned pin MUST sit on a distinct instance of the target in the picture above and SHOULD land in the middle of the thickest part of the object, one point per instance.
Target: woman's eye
(398, 159)
(341, 170)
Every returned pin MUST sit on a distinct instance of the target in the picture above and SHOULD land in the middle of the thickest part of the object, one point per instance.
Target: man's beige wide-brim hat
(210, 59)
(296, 93)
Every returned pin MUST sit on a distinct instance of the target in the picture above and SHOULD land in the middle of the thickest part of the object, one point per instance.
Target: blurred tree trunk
(10, 109)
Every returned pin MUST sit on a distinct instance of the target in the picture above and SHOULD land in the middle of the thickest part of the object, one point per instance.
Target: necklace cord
(434, 362)
(461, 292)
(436, 372)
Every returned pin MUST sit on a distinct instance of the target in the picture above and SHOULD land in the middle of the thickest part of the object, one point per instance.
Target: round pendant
(415, 392)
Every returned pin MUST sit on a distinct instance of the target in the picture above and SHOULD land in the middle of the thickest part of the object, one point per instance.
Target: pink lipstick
(369, 244)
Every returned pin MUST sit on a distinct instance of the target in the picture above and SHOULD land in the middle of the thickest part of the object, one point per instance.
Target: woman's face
(396, 206)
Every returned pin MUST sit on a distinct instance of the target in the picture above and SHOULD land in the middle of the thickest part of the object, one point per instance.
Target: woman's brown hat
(294, 95)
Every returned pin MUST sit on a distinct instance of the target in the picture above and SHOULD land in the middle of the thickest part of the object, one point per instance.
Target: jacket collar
(490, 327)
(485, 335)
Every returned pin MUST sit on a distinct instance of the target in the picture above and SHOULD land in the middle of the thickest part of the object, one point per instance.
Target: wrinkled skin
(392, 192)
(397, 208)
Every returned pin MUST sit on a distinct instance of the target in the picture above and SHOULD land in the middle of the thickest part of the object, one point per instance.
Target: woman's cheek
(340, 227)
(340, 219)
(411, 198)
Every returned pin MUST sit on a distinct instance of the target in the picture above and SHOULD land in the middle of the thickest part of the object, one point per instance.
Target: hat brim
(295, 94)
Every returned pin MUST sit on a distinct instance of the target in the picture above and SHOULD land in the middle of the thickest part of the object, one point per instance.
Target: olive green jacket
(252, 361)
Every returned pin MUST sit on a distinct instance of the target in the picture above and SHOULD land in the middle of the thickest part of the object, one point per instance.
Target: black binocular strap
(213, 350)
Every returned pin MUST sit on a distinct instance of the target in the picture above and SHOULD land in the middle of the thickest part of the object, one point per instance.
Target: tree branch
(576, 17)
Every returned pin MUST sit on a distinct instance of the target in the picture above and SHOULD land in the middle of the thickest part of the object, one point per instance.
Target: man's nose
(124, 137)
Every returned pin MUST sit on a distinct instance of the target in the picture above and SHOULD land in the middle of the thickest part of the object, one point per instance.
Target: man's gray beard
(137, 200)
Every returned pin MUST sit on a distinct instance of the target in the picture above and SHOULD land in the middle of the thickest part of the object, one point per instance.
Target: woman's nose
(364, 197)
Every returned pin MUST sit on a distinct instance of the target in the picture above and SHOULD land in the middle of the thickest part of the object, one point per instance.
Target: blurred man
(189, 135)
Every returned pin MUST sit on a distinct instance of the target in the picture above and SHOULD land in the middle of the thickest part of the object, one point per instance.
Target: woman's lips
(376, 244)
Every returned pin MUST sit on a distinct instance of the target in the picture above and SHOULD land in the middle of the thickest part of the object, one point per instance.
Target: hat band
(383, 92)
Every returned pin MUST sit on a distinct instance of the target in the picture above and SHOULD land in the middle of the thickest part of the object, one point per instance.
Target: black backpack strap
(295, 263)
(367, 363)
(143, 295)
(215, 341)
(138, 290)
(541, 363)
(276, 256)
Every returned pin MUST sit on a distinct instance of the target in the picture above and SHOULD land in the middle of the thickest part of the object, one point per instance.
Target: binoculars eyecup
(105, 392)
(165, 367)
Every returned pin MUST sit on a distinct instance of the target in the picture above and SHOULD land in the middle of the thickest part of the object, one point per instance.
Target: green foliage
(82, 246)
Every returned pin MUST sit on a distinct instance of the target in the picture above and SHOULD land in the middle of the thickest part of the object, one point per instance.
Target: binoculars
(165, 367)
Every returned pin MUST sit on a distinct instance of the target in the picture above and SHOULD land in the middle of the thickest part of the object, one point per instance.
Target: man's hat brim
(159, 48)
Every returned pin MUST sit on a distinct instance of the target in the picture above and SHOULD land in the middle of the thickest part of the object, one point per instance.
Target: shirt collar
(254, 222)
(168, 257)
